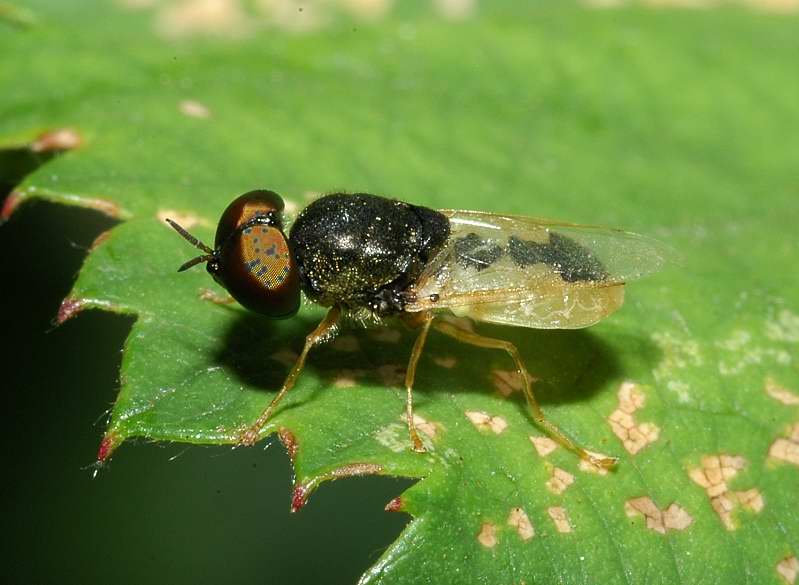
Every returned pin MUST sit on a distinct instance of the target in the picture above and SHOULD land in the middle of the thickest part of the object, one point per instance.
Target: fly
(368, 257)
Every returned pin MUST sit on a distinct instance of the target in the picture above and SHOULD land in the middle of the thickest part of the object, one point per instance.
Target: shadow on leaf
(568, 366)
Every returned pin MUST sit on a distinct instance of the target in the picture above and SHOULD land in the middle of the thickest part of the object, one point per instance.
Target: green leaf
(678, 124)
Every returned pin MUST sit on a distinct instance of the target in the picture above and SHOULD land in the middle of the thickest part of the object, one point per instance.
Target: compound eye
(261, 272)
(266, 255)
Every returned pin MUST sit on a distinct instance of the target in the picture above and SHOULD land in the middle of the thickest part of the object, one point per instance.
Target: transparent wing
(531, 272)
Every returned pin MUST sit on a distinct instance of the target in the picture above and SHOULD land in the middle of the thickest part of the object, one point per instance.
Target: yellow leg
(535, 408)
(321, 333)
(410, 375)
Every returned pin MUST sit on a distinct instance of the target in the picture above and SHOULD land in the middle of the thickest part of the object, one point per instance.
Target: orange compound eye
(266, 255)
(260, 272)
(252, 258)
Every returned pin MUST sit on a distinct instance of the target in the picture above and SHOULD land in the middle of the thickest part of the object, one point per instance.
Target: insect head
(251, 257)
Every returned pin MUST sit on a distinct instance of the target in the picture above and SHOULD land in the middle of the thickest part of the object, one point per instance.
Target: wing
(532, 272)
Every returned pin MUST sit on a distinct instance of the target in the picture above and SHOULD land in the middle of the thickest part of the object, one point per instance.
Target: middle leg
(410, 375)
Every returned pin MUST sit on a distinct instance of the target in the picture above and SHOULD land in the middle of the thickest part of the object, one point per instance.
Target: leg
(322, 331)
(207, 294)
(410, 374)
(538, 415)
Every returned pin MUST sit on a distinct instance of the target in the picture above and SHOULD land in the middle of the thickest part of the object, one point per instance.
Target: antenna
(195, 261)
(194, 242)
(187, 236)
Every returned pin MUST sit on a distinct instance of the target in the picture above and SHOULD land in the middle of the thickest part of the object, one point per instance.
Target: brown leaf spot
(386, 335)
(194, 109)
(713, 475)
(286, 357)
(634, 436)
(506, 382)
(751, 499)
(459, 322)
(544, 445)
(788, 569)
(780, 393)
(56, 140)
(446, 361)
(786, 448)
(521, 523)
(424, 426)
(455, 9)
(391, 374)
(368, 9)
(559, 480)
(207, 17)
(484, 421)
(487, 535)
(185, 219)
(347, 378)
(560, 519)
(674, 517)
(346, 343)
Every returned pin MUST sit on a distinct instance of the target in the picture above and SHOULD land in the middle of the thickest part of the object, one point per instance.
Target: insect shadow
(261, 351)
(569, 365)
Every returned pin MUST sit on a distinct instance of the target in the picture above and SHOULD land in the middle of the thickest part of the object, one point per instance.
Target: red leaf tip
(10, 205)
(107, 446)
(299, 497)
(68, 309)
(395, 505)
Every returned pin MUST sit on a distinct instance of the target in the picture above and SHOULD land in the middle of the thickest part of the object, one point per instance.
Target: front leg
(317, 336)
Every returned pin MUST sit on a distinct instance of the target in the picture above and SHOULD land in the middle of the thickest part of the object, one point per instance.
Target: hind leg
(535, 409)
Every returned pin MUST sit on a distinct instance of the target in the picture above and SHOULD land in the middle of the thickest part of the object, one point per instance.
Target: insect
(367, 257)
